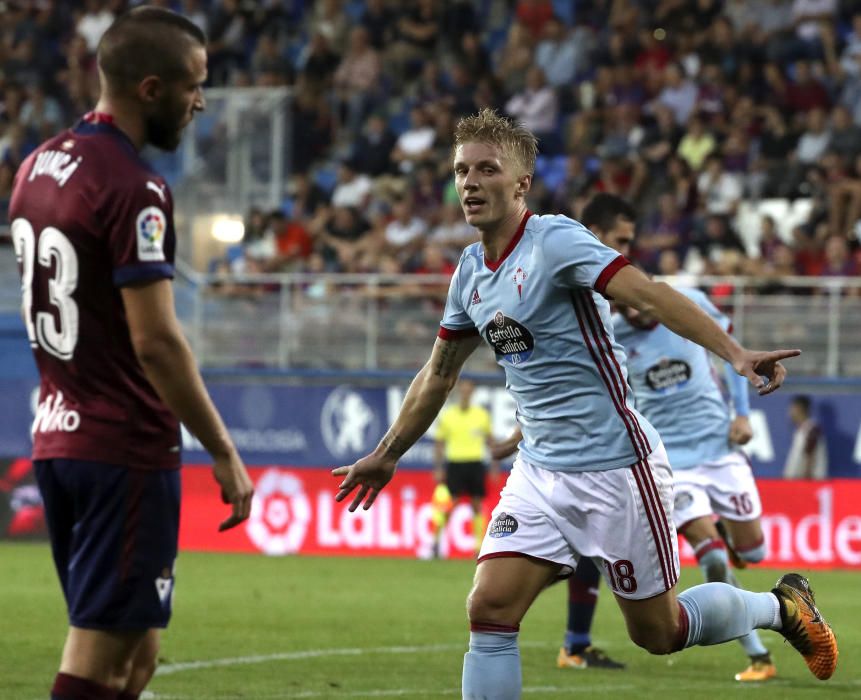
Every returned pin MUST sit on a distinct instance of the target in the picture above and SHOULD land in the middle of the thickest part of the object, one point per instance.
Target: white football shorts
(621, 518)
(725, 487)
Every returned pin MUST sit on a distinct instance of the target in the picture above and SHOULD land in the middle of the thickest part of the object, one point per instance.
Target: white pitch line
(406, 692)
(169, 669)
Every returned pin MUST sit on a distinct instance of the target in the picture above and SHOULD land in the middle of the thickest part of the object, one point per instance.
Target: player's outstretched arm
(169, 365)
(423, 402)
(681, 315)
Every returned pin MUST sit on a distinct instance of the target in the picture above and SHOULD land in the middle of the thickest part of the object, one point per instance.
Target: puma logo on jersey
(53, 416)
(159, 190)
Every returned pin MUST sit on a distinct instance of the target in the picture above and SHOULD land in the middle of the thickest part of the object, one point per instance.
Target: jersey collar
(493, 265)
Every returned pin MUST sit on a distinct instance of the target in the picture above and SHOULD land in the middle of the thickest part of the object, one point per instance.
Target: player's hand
(237, 489)
(501, 450)
(740, 432)
(764, 369)
(370, 473)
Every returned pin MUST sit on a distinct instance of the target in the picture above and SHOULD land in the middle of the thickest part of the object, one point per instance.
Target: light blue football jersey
(678, 389)
(553, 336)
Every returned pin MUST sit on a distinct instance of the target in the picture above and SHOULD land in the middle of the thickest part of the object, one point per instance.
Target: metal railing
(389, 322)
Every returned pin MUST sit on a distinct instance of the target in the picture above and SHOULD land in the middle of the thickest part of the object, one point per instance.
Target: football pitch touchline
(169, 669)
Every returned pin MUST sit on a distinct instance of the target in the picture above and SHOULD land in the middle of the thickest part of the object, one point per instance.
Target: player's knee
(655, 639)
(753, 555)
(486, 605)
(143, 667)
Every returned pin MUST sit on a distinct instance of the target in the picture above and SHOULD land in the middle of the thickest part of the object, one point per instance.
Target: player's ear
(523, 184)
(149, 89)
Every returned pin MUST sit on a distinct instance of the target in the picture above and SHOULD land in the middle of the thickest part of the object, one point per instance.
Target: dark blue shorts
(114, 533)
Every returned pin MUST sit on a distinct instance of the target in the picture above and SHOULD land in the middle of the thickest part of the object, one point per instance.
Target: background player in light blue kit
(592, 478)
(678, 390)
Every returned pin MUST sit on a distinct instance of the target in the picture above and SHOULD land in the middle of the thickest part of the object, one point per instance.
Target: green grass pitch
(301, 627)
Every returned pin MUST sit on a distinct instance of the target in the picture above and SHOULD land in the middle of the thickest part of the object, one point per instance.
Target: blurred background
(319, 224)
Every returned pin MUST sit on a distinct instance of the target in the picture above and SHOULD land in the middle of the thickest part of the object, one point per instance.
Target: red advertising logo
(806, 524)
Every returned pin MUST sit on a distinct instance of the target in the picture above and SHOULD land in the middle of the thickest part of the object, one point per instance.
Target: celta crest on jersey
(510, 340)
(519, 278)
(668, 374)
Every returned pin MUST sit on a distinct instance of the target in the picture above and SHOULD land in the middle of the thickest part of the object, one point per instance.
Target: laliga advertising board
(294, 512)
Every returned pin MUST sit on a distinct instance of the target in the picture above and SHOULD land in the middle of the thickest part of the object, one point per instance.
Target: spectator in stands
(660, 140)
(844, 200)
(473, 57)
(807, 250)
(417, 36)
(353, 188)
(379, 19)
(769, 239)
(713, 237)
(810, 18)
(459, 18)
(838, 260)
(343, 239)
(534, 15)
(679, 93)
(808, 453)
(561, 53)
(452, 233)
(537, 107)
(805, 92)
(845, 136)
(515, 57)
(777, 145)
(427, 193)
(697, 144)
(576, 183)
(814, 139)
(228, 30)
(682, 182)
(312, 127)
(373, 150)
(405, 234)
(416, 143)
(318, 62)
(668, 229)
(307, 199)
(719, 191)
(329, 19)
(357, 80)
(94, 22)
(269, 64)
(7, 176)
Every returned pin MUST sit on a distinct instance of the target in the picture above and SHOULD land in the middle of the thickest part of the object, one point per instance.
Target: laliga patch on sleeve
(151, 227)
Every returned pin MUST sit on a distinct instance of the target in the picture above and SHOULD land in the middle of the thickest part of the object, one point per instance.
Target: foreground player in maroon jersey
(93, 231)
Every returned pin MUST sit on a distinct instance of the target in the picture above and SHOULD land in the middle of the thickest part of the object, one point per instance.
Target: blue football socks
(718, 612)
(491, 667)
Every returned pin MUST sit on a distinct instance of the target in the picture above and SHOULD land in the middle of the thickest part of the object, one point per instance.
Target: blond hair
(516, 141)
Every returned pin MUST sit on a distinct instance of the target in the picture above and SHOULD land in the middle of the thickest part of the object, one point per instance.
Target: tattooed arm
(423, 401)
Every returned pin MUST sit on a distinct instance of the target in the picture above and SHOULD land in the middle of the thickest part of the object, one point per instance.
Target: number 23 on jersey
(55, 332)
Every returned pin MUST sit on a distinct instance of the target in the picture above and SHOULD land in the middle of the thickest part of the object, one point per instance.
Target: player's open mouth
(472, 204)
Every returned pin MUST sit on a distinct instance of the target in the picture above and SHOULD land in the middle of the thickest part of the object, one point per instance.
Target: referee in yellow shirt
(462, 437)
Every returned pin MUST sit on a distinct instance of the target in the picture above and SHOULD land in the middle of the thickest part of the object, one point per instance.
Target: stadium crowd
(685, 107)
